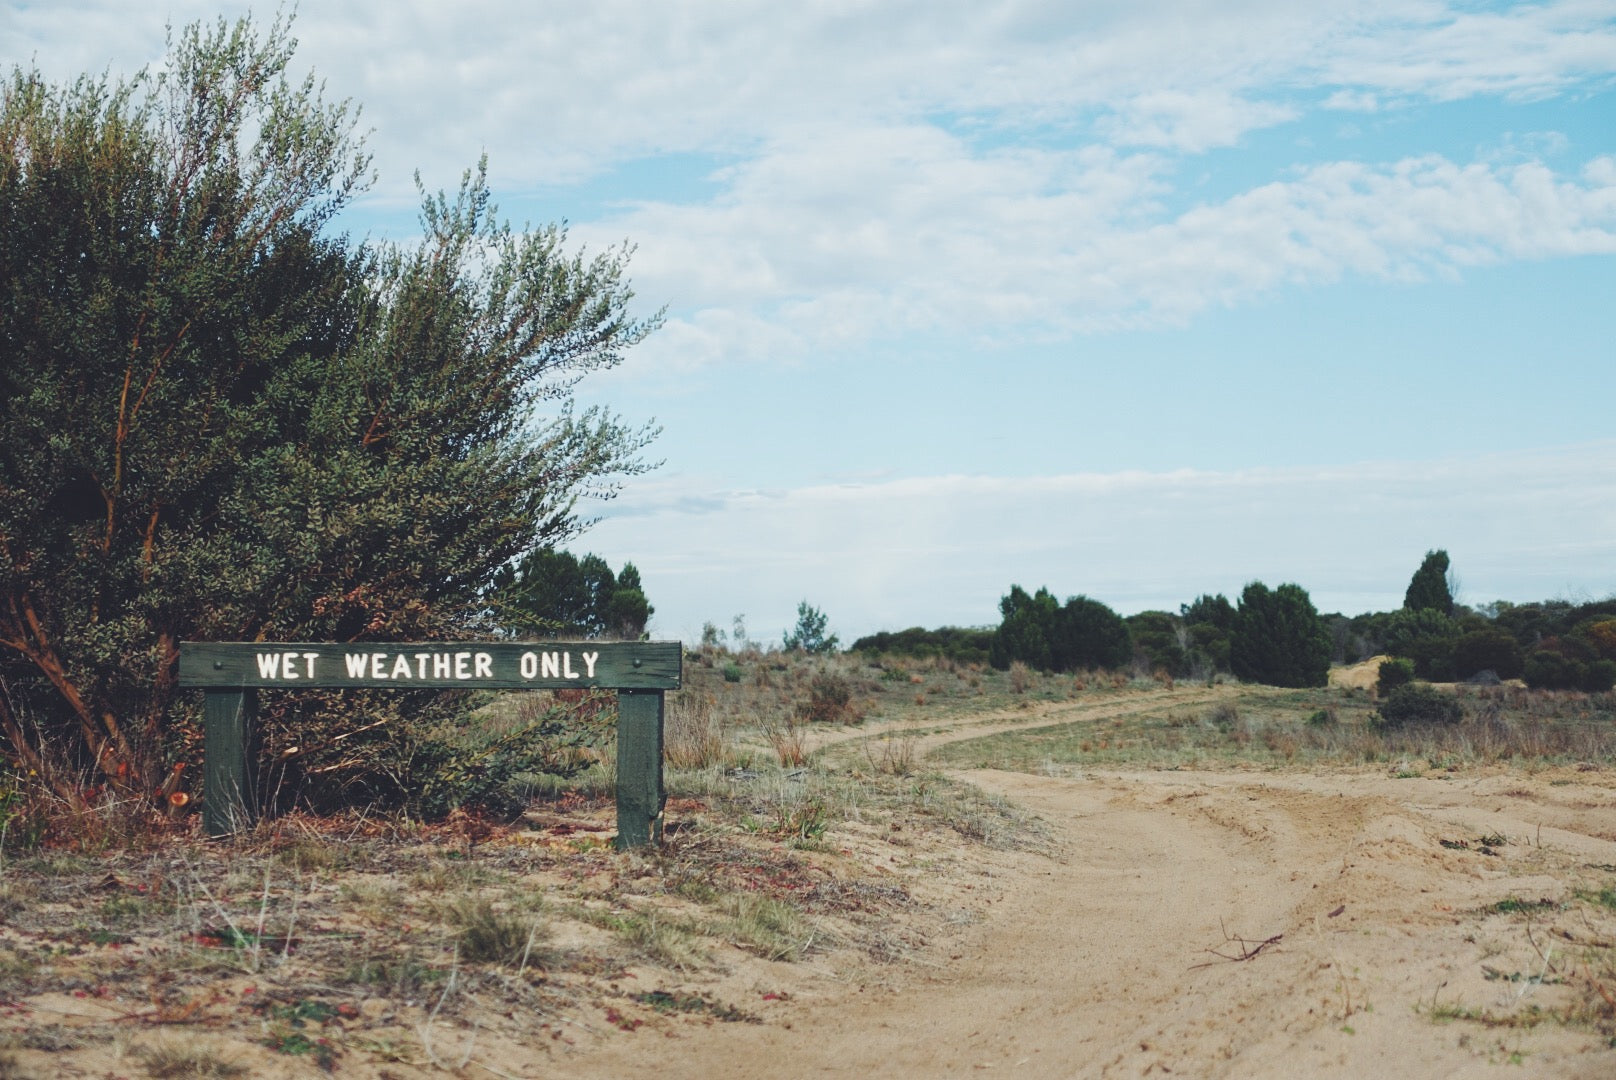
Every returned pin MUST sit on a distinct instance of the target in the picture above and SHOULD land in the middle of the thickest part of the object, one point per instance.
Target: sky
(1139, 300)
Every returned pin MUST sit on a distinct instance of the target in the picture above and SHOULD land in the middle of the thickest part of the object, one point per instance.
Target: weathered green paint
(639, 768)
(613, 665)
(231, 673)
(229, 783)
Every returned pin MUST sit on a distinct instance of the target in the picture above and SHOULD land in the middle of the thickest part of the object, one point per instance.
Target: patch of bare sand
(1360, 676)
(1114, 959)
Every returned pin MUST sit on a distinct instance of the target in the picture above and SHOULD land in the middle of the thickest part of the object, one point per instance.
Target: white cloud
(938, 550)
(873, 233)
(559, 92)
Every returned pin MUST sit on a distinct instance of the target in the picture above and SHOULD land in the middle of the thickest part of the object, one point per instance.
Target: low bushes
(1418, 703)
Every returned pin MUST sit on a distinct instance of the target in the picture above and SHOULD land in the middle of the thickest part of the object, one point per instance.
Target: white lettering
(311, 657)
(356, 664)
(376, 662)
(287, 660)
(551, 665)
(589, 663)
(401, 666)
(566, 666)
(269, 665)
(485, 665)
(462, 660)
(420, 663)
(440, 665)
(530, 665)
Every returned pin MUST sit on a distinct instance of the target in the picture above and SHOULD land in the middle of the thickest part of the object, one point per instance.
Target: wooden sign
(231, 674)
(613, 665)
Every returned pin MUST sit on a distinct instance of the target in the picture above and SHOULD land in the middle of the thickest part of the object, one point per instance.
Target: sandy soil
(1204, 924)
(1122, 956)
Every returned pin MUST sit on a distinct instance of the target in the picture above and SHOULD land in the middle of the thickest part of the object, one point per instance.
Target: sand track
(1103, 961)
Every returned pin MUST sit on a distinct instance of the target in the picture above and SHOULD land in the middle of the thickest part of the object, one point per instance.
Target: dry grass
(1265, 727)
(186, 1059)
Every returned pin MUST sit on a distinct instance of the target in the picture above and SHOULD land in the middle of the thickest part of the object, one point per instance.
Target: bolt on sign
(231, 673)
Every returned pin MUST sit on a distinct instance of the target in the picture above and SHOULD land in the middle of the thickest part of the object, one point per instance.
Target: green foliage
(733, 673)
(443, 770)
(1393, 673)
(1487, 650)
(1084, 633)
(1088, 634)
(1424, 636)
(809, 634)
(1556, 667)
(1159, 640)
(550, 593)
(1428, 589)
(1026, 627)
(1418, 703)
(221, 418)
(1278, 638)
(964, 645)
(1209, 622)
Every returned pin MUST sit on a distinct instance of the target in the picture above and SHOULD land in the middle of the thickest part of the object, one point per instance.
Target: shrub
(1418, 703)
(223, 418)
(733, 673)
(1394, 673)
(1597, 676)
(830, 700)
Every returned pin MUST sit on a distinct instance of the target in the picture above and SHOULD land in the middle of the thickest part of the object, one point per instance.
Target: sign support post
(229, 761)
(230, 674)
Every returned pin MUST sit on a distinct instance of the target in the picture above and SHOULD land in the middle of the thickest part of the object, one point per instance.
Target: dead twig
(1248, 949)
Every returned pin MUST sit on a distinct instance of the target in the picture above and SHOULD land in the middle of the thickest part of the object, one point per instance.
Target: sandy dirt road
(1121, 955)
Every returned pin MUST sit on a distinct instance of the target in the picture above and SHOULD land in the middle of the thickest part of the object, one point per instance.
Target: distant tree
(1088, 634)
(1487, 650)
(1026, 627)
(1208, 623)
(551, 593)
(965, 645)
(809, 634)
(1278, 638)
(1159, 641)
(1424, 635)
(1428, 590)
(628, 611)
(1039, 632)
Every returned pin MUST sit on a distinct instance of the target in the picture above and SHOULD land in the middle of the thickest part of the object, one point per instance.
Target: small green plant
(803, 823)
(733, 673)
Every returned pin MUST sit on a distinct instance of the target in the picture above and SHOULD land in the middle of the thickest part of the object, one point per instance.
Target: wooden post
(229, 786)
(639, 768)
